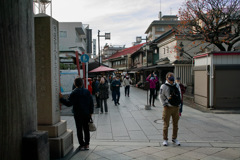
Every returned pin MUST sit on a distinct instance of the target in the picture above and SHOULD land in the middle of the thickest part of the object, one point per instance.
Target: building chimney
(160, 15)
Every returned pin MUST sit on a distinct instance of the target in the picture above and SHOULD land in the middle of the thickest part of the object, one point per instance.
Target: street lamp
(182, 51)
(107, 37)
(139, 40)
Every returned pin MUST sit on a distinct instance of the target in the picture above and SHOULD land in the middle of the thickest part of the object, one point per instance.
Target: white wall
(73, 38)
(169, 43)
(221, 59)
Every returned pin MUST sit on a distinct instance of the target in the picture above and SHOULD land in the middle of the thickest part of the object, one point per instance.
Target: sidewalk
(128, 131)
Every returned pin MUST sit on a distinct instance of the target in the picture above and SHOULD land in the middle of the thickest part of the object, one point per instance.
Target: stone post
(48, 88)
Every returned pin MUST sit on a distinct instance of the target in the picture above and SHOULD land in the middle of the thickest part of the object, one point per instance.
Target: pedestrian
(111, 87)
(103, 94)
(73, 86)
(105, 79)
(116, 84)
(152, 79)
(110, 79)
(183, 90)
(97, 93)
(93, 86)
(170, 97)
(82, 103)
(126, 83)
(157, 89)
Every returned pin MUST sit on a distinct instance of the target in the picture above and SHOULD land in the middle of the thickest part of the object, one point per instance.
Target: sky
(124, 19)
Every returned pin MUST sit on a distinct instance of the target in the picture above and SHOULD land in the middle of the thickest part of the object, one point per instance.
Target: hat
(178, 78)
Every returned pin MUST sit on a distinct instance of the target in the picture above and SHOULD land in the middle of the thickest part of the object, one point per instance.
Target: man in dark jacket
(97, 93)
(116, 84)
(82, 103)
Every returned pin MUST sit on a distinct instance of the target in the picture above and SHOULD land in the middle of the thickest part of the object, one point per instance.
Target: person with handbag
(82, 102)
(103, 94)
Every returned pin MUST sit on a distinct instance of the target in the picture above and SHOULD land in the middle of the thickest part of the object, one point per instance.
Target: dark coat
(114, 85)
(81, 100)
(93, 87)
(103, 91)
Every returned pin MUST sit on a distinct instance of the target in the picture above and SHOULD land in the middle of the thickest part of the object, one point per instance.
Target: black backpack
(175, 97)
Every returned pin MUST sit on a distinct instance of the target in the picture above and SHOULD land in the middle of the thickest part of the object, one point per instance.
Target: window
(163, 50)
(160, 29)
(167, 49)
(63, 34)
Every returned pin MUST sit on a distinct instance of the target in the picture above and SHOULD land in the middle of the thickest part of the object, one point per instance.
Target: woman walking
(152, 79)
(103, 94)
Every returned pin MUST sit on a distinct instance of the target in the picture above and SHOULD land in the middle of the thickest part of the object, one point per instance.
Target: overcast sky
(124, 19)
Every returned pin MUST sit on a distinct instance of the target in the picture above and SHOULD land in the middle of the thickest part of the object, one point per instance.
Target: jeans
(169, 112)
(105, 105)
(82, 127)
(127, 89)
(116, 96)
(152, 95)
(98, 101)
(181, 107)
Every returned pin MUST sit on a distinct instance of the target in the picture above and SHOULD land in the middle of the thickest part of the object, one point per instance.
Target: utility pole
(107, 37)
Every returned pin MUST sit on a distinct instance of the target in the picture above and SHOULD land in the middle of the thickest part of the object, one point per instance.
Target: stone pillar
(18, 107)
(48, 88)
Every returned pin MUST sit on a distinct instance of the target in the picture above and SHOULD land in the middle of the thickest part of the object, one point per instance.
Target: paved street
(128, 131)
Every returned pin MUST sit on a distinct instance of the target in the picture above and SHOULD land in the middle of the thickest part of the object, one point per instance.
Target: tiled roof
(126, 51)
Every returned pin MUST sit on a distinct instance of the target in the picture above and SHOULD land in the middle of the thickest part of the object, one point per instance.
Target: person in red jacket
(152, 79)
(183, 90)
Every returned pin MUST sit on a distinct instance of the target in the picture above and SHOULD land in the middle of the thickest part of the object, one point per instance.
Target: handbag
(91, 125)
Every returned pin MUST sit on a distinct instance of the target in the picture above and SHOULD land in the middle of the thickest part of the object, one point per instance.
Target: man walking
(82, 103)
(126, 83)
(116, 84)
(97, 92)
(170, 97)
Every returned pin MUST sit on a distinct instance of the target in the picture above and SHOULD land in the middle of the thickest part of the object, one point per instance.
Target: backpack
(175, 99)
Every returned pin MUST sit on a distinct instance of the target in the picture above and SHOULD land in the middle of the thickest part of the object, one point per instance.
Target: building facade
(215, 75)
(159, 27)
(74, 36)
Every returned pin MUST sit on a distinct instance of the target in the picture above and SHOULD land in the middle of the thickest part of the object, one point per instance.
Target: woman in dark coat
(103, 94)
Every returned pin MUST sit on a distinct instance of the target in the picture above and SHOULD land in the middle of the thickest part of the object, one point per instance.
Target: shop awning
(102, 69)
(132, 71)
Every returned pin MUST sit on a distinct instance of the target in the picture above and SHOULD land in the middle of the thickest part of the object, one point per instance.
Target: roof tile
(126, 51)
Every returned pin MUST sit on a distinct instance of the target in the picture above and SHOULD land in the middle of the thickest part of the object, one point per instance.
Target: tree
(216, 21)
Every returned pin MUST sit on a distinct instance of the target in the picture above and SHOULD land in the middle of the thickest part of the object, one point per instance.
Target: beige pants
(167, 113)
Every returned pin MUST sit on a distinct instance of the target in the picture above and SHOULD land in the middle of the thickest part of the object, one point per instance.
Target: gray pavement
(128, 131)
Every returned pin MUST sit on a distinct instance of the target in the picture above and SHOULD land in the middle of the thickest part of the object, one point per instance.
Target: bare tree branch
(218, 21)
